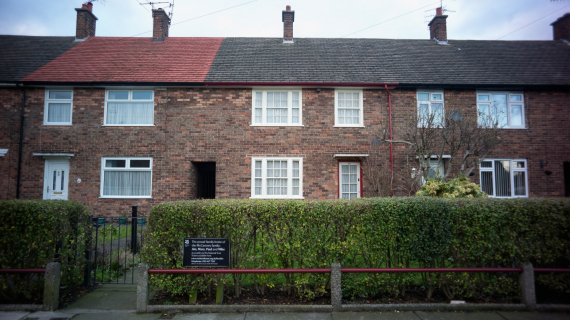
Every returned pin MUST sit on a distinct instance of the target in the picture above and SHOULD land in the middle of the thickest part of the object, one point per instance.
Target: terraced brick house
(113, 122)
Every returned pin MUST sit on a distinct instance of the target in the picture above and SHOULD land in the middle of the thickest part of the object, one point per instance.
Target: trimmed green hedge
(375, 232)
(36, 232)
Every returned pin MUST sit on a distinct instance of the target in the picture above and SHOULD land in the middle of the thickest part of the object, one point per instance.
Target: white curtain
(503, 178)
(59, 112)
(127, 183)
(130, 113)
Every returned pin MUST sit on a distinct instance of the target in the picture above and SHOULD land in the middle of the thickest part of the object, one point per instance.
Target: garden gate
(115, 249)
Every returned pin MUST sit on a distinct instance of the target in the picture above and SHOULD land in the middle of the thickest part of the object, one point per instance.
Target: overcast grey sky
(471, 19)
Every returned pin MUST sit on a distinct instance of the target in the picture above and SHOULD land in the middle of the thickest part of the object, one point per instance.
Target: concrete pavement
(393, 315)
(118, 302)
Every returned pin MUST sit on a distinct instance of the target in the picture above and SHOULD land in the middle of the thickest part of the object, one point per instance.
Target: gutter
(299, 84)
(19, 178)
(391, 154)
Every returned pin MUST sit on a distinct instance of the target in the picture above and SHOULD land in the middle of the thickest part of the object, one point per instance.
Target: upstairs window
(58, 107)
(277, 178)
(430, 108)
(348, 107)
(126, 177)
(129, 108)
(500, 109)
(277, 108)
(504, 178)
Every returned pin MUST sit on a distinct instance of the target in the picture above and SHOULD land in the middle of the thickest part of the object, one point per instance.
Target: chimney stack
(288, 17)
(160, 24)
(85, 22)
(561, 28)
(438, 26)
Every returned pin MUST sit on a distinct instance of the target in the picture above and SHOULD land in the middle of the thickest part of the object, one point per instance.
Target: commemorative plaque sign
(206, 252)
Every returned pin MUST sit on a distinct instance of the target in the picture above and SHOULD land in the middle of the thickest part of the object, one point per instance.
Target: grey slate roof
(462, 62)
(22, 55)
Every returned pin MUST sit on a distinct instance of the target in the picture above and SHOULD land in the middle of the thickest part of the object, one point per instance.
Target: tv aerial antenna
(430, 13)
(164, 5)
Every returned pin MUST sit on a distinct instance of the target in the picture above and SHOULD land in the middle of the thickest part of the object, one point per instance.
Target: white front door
(349, 174)
(56, 179)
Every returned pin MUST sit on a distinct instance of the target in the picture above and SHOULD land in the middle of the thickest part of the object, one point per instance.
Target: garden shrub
(36, 232)
(365, 233)
(459, 187)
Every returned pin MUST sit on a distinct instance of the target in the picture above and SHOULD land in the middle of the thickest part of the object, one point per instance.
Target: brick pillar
(160, 24)
(561, 28)
(85, 22)
(288, 17)
(438, 26)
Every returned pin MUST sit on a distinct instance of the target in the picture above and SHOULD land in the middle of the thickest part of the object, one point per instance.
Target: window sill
(278, 198)
(273, 125)
(57, 125)
(336, 126)
(128, 125)
(118, 197)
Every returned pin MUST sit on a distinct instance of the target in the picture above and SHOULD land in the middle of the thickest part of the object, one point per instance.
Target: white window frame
(290, 108)
(130, 99)
(509, 105)
(431, 100)
(360, 108)
(264, 178)
(433, 165)
(512, 176)
(358, 177)
(48, 100)
(126, 168)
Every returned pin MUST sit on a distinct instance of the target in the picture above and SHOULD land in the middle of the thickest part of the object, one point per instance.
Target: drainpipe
(390, 131)
(21, 143)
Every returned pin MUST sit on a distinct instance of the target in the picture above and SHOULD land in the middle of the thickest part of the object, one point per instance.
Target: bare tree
(463, 138)
(378, 176)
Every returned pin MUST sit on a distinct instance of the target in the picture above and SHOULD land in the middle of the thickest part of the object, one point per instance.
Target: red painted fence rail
(349, 270)
(171, 271)
(392, 270)
(22, 270)
(551, 270)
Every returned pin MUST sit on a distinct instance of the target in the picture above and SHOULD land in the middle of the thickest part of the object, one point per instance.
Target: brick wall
(561, 28)
(85, 24)
(438, 28)
(209, 124)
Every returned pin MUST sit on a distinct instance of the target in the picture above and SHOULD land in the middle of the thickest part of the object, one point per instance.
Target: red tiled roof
(106, 59)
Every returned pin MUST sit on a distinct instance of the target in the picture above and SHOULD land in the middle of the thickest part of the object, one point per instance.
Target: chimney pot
(86, 21)
(561, 28)
(88, 6)
(288, 17)
(438, 26)
(160, 24)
